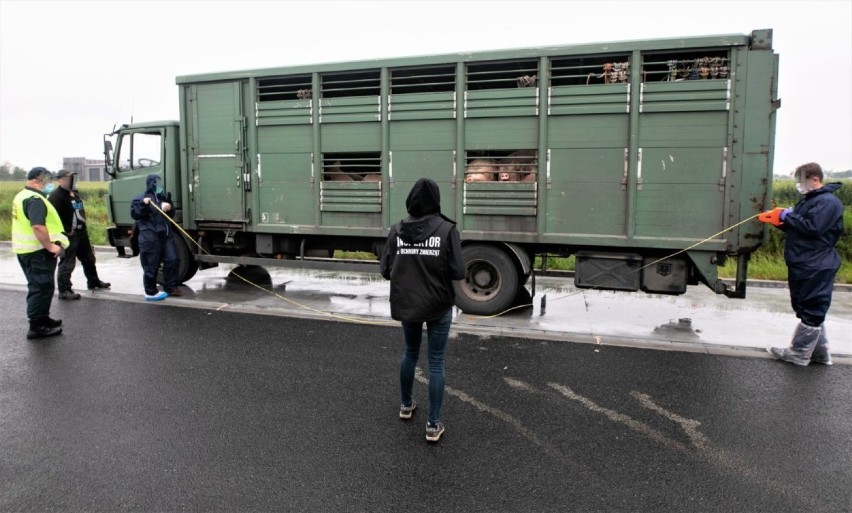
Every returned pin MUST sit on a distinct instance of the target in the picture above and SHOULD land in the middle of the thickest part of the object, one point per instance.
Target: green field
(766, 264)
(93, 197)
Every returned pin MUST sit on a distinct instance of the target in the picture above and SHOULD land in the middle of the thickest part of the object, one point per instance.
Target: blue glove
(785, 212)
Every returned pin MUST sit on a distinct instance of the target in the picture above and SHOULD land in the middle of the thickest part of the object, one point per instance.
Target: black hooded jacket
(421, 258)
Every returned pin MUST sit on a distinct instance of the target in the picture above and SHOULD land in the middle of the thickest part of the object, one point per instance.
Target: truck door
(139, 153)
(218, 153)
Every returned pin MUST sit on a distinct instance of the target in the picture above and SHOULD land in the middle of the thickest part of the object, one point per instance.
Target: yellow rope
(279, 296)
(636, 270)
(472, 317)
(700, 242)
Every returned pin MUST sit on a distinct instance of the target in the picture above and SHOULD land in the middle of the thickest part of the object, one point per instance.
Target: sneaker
(156, 297)
(434, 431)
(68, 294)
(175, 292)
(43, 331)
(405, 412)
(98, 285)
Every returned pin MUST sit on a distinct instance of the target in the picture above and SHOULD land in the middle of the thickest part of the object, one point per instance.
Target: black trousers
(153, 249)
(79, 247)
(39, 268)
(810, 293)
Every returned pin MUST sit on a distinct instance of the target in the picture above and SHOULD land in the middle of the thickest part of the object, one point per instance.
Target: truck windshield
(139, 150)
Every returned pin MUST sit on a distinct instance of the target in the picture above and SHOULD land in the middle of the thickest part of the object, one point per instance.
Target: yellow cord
(472, 317)
(700, 242)
(279, 296)
(636, 270)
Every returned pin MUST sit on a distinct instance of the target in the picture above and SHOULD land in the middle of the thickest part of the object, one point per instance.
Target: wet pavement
(154, 407)
(197, 403)
(698, 321)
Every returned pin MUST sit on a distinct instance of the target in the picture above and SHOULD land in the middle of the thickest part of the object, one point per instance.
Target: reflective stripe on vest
(23, 236)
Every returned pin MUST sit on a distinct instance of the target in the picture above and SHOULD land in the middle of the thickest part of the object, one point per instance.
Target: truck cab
(133, 152)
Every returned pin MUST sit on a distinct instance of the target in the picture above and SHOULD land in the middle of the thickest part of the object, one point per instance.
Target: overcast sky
(70, 70)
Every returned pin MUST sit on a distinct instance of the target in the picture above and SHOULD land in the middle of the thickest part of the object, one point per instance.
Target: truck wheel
(491, 281)
(187, 266)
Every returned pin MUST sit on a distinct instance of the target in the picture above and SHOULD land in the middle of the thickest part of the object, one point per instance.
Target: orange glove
(772, 216)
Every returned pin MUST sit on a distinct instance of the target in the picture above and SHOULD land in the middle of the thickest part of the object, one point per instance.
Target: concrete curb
(459, 326)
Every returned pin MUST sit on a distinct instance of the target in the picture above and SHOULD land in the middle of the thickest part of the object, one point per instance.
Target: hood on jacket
(424, 198)
(833, 186)
(151, 183)
(423, 202)
(827, 188)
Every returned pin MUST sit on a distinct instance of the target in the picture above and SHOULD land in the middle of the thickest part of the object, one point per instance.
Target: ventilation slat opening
(352, 167)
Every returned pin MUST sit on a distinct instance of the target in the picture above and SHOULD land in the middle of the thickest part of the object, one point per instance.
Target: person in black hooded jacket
(421, 258)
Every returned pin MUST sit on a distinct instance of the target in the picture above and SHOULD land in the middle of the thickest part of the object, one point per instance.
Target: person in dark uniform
(156, 244)
(812, 229)
(421, 258)
(69, 205)
(38, 240)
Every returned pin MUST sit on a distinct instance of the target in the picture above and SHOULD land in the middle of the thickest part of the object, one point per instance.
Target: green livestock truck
(623, 154)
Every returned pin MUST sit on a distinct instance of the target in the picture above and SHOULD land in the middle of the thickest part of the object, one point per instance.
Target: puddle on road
(701, 316)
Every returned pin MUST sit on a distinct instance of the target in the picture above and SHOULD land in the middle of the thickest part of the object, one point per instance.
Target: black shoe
(52, 323)
(99, 285)
(69, 294)
(43, 331)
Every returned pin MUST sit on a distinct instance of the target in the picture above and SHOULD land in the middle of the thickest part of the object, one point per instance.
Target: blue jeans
(437, 330)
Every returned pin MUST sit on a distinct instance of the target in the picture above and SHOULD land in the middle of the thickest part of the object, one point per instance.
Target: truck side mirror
(108, 157)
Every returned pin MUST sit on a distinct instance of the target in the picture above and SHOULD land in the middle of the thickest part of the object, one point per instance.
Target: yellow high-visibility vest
(23, 236)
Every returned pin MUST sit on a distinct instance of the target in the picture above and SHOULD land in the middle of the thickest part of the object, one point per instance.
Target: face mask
(159, 190)
(802, 188)
(47, 189)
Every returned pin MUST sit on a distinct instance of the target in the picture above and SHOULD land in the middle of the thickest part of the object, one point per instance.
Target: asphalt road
(156, 407)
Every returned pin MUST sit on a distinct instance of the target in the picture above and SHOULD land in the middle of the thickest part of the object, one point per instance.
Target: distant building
(87, 170)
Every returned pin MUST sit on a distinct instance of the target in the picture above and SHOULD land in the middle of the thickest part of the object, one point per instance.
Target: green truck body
(622, 154)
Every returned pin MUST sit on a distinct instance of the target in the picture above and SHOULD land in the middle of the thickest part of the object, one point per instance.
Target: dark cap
(37, 172)
(62, 173)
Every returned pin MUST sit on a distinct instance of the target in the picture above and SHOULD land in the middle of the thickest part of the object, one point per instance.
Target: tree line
(9, 173)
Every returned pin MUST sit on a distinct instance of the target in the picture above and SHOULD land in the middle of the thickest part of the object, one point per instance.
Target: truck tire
(491, 281)
(187, 265)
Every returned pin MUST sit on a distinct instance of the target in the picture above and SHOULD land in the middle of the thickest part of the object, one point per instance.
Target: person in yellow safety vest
(38, 241)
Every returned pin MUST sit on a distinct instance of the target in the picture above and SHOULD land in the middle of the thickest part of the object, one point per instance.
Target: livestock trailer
(620, 153)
